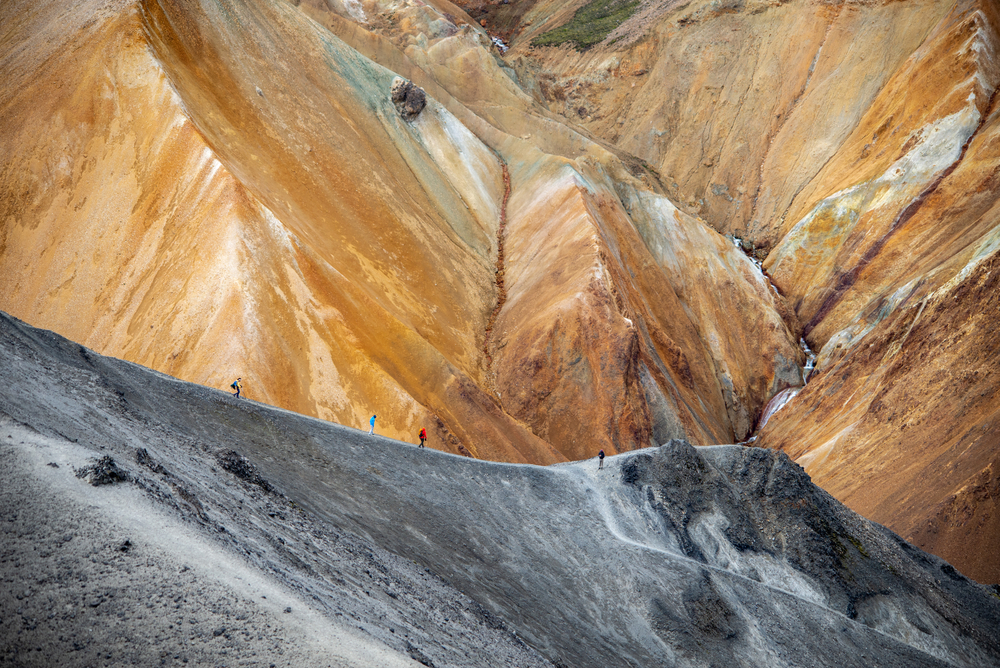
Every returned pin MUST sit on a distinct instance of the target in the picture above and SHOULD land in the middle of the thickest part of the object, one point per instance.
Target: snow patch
(777, 402)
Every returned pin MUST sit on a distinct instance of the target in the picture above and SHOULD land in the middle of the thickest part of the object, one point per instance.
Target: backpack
(235, 382)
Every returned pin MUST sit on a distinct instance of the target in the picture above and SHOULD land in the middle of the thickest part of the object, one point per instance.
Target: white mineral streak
(672, 230)
(983, 41)
(708, 531)
(938, 146)
(861, 325)
(639, 524)
(279, 233)
(355, 11)
(988, 245)
(472, 169)
(816, 456)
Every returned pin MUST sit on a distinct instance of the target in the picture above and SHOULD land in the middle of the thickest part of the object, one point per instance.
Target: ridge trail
(611, 519)
(603, 506)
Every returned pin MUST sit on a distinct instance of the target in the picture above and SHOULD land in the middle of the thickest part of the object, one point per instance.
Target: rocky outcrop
(410, 100)
(376, 551)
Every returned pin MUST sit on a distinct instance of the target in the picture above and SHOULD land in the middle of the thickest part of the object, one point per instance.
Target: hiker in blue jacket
(371, 432)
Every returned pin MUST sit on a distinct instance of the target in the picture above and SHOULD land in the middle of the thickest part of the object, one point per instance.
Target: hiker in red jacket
(423, 437)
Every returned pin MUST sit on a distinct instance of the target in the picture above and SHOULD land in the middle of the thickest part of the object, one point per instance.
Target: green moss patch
(590, 24)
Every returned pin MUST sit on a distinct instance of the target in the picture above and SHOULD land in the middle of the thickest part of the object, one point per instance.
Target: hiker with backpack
(236, 386)
(600, 457)
(423, 437)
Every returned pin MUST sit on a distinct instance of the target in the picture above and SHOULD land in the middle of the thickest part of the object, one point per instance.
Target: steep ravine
(846, 280)
(781, 398)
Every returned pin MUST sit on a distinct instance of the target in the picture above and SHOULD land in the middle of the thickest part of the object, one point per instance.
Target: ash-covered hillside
(233, 533)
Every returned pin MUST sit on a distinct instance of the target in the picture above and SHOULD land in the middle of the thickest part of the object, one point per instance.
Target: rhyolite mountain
(560, 251)
(150, 521)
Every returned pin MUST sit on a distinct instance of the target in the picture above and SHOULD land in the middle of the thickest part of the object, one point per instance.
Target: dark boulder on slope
(409, 98)
(674, 556)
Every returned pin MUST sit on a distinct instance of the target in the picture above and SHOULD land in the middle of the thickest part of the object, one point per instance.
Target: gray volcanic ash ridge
(232, 533)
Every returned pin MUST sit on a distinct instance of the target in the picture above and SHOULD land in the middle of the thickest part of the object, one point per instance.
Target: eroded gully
(499, 270)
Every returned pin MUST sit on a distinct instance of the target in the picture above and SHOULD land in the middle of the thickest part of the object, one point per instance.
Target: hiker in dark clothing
(600, 457)
(236, 386)
(423, 437)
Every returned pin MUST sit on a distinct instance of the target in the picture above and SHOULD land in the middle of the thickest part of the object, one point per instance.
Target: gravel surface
(105, 577)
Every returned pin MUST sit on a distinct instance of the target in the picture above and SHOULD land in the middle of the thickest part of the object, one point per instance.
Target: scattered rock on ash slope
(243, 469)
(103, 472)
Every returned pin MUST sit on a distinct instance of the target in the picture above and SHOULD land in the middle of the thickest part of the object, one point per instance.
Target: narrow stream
(810, 360)
(810, 355)
(778, 401)
(757, 263)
